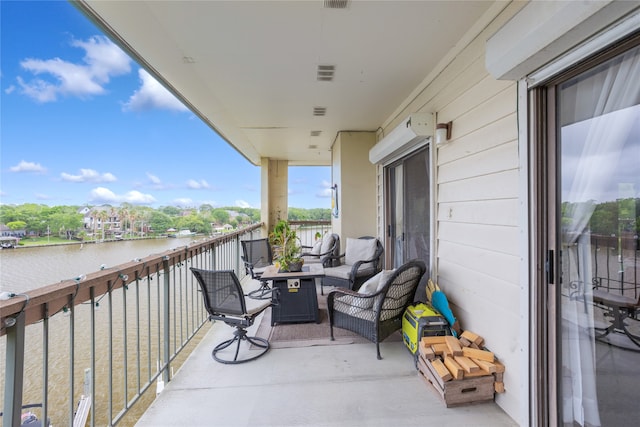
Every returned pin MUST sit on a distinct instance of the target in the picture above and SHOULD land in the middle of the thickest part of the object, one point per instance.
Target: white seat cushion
(316, 248)
(259, 270)
(341, 271)
(347, 305)
(255, 305)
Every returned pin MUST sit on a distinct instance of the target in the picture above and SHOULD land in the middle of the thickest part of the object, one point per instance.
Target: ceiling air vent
(326, 72)
(335, 4)
(313, 147)
(319, 111)
(316, 132)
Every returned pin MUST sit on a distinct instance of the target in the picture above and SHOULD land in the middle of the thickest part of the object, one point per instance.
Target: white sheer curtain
(590, 180)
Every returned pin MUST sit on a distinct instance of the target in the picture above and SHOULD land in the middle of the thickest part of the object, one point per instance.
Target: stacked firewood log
(446, 360)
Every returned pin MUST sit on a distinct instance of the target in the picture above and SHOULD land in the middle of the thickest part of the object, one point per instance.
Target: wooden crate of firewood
(460, 369)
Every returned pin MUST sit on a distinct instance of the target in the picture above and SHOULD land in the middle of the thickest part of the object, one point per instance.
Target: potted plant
(286, 247)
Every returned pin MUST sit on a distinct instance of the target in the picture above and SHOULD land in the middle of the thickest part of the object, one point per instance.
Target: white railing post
(166, 374)
(14, 372)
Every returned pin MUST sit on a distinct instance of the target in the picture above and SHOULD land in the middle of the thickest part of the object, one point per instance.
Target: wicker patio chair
(224, 301)
(377, 315)
(329, 246)
(361, 260)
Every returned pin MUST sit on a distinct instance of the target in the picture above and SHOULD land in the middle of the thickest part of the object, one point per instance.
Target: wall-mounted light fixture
(443, 132)
(334, 201)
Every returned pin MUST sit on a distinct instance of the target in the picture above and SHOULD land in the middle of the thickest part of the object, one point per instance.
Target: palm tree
(133, 216)
(104, 216)
(95, 213)
(123, 213)
(113, 218)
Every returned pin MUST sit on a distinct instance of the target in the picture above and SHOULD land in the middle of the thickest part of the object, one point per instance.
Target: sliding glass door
(408, 202)
(593, 184)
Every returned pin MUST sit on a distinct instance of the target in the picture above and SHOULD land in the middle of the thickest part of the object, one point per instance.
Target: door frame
(545, 264)
(429, 145)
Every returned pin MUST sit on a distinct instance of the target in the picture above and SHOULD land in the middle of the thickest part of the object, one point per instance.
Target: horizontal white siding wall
(478, 223)
(478, 230)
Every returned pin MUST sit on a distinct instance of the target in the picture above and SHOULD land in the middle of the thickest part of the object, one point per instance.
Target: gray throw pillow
(359, 250)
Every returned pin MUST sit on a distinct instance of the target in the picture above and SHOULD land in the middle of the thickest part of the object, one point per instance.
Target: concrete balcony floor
(341, 385)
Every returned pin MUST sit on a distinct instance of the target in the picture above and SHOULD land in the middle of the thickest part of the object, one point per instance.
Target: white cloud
(102, 60)
(10, 89)
(138, 198)
(197, 185)
(28, 167)
(152, 95)
(157, 184)
(88, 175)
(41, 196)
(154, 179)
(183, 202)
(242, 204)
(104, 195)
(324, 193)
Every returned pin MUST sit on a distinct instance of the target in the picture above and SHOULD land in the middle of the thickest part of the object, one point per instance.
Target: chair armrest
(354, 294)
(310, 254)
(335, 257)
(356, 266)
(376, 267)
(355, 299)
(319, 254)
(341, 292)
(327, 262)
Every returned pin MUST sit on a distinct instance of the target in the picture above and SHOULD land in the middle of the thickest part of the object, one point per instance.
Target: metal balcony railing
(95, 346)
(613, 266)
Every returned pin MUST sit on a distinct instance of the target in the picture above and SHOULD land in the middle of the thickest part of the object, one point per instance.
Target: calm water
(25, 269)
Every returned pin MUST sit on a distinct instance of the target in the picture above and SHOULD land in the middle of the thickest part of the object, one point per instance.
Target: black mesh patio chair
(257, 256)
(361, 260)
(225, 301)
(377, 315)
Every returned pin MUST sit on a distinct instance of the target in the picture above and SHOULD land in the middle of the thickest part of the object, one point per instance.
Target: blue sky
(81, 123)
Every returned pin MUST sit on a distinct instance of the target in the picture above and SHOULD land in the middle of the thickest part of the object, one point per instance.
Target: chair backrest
(331, 248)
(399, 291)
(257, 253)
(364, 248)
(330, 242)
(222, 292)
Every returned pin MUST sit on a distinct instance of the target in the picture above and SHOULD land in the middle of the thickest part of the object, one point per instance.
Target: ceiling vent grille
(316, 132)
(326, 73)
(319, 111)
(335, 4)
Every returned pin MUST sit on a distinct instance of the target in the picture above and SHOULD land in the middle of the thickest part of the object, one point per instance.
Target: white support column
(356, 177)
(274, 192)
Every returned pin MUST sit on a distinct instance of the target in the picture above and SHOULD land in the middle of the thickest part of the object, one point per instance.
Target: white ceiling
(249, 68)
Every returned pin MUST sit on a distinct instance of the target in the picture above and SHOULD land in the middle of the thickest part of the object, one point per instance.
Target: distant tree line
(610, 218)
(68, 221)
